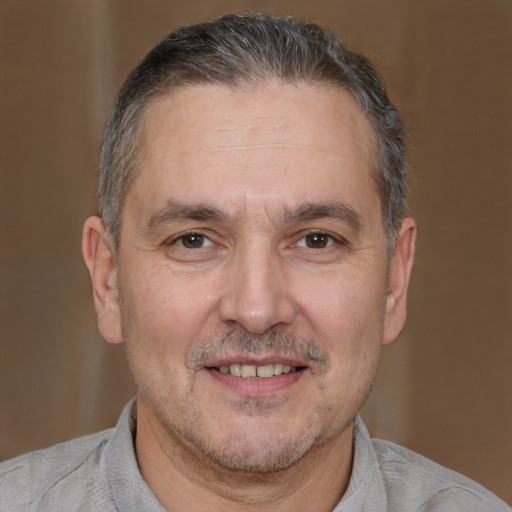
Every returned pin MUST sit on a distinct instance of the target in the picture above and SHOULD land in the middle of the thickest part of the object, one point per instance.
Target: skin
(254, 217)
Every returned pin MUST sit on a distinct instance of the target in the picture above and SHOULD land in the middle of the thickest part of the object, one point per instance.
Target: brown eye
(317, 240)
(193, 241)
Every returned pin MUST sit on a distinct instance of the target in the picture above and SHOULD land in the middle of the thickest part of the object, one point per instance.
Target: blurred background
(445, 385)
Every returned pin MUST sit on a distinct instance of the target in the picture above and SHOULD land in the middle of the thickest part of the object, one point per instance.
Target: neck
(182, 478)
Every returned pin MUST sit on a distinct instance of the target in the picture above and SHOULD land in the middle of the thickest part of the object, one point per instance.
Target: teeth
(252, 371)
(265, 371)
(248, 371)
(235, 369)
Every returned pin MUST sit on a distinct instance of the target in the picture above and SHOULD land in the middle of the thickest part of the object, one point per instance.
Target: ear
(99, 259)
(398, 280)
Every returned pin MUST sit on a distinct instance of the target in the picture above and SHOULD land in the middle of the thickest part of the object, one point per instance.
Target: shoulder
(411, 478)
(26, 480)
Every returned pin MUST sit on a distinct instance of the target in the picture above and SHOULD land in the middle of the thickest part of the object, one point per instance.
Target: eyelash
(180, 238)
(332, 239)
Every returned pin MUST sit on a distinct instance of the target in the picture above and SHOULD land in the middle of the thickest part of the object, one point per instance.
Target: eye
(193, 241)
(316, 240)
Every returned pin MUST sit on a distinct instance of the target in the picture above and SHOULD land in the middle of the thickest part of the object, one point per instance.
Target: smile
(248, 371)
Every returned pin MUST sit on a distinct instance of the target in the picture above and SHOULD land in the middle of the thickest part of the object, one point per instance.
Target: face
(253, 277)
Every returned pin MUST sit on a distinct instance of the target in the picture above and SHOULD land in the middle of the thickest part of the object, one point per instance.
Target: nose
(257, 296)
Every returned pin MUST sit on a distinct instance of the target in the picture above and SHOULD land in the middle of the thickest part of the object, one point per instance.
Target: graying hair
(238, 50)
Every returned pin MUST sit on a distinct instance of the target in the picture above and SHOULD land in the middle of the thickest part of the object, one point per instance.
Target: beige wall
(445, 385)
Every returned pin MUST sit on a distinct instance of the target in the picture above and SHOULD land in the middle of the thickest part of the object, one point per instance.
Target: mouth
(252, 371)
(257, 377)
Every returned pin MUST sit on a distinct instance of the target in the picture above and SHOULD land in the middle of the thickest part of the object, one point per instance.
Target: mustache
(206, 351)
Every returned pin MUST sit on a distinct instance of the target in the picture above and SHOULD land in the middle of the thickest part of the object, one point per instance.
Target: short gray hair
(247, 49)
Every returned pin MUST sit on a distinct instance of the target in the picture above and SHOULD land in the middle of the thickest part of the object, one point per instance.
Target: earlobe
(100, 260)
(398, 280)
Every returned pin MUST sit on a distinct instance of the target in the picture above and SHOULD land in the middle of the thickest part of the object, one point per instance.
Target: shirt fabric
(99, 473)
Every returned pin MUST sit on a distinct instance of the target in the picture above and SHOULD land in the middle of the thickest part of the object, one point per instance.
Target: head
(262, 259)
(237, 51)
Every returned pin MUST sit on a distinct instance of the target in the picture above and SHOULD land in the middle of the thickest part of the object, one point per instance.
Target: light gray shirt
(99, 473)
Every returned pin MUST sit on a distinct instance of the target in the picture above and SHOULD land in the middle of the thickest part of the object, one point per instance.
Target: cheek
(344, 306)
(347, 321)
(163, 306)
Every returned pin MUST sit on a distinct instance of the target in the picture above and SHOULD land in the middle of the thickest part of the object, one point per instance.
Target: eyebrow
(313, 211)
(174, 211)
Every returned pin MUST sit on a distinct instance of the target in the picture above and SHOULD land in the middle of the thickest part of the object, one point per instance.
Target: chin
(260, 454)
(262, 444)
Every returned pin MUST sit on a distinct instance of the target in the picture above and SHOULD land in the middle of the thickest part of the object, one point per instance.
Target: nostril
(254, 321)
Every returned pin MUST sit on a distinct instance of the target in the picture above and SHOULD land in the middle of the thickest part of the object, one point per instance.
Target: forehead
(281, 143)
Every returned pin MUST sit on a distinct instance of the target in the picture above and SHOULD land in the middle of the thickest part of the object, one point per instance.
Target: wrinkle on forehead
(249, 114)
(242, 125)
(260, 146)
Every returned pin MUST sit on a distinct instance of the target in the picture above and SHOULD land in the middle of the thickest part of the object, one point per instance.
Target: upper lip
(260, 360)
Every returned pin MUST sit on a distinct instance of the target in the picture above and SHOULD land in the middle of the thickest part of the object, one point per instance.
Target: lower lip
(252, 387)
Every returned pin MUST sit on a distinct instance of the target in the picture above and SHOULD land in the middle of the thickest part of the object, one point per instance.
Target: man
(253, 255)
